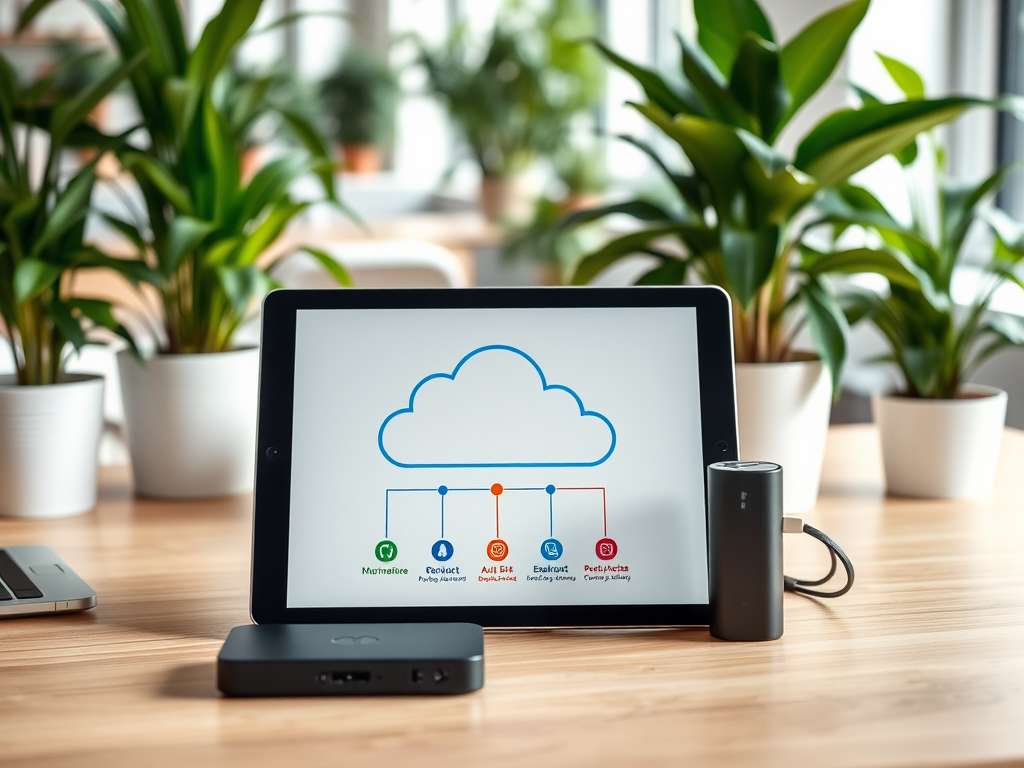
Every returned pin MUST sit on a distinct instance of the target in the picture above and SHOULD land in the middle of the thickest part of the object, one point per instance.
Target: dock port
(344, 678)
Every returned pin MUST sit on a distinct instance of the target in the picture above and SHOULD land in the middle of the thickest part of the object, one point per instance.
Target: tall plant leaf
(756, 83)
(748, 256)
(722, 24)
(849, 140)
(811, 56)
(828, 327)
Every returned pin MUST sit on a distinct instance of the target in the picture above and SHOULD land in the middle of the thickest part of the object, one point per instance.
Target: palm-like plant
(203, 230)
(935, 346)
(42, 221)
(738, 206)
(518, 102)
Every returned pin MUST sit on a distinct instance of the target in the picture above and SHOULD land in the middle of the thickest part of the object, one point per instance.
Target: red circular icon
(606, 549)
(497, 550)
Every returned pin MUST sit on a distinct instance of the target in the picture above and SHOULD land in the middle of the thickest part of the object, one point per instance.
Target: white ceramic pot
(783, 411)
(49, 446)
(941, 449)
(191, 422)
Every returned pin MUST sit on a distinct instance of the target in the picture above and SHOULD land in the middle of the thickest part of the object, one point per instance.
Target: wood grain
(921, 664)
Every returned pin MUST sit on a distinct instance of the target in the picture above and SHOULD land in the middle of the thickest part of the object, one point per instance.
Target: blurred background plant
(580, 180)
(263, 105)
(204, 231)
(518, 100)
(360, 101)
(936, 345)
(43, 211)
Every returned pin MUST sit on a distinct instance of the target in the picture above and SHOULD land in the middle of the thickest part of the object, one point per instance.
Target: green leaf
(657, 90)
(219, 38)
(266, 233)
(907, 155)
(638, 209)
(811, 56)
(314, 143)
(32, 277)
(130, 231)
(670, 272)
(905, 76)
(68, 326)
(70, 113)
(241, 285)
(333, 267)
(714, 150)
(719, 102)
(30, 11)
(161, 177)
(698, 238)
(70, 208)
(828, 327)
(184, 236)
(756, 83)
(960, 202)
(748, 257)
(893, 266)
(222, 154)
(722, 24)
(690, 187)
(851, 139)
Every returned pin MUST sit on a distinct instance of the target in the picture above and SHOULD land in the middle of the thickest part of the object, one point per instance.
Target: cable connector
(792, 524)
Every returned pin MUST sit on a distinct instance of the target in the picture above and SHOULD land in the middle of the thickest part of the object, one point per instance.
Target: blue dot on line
(550, 489)
(442, 489)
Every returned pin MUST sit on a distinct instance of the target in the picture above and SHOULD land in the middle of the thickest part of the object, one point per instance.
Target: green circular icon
(386, 551)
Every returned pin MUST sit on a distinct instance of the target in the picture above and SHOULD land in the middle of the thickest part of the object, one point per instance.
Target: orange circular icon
(496, 489)
(497, 550)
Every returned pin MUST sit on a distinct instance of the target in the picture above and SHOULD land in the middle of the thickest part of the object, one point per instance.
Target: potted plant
(254, 103)
(360, 98)
(581, 179)
(940, 434)
(190, 410)
(737, 208)
(50, 420)
(518, 102)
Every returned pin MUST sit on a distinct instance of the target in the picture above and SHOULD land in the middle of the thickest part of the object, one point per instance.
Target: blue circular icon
(442, 489)
(550, 489)
(551, 549)
(442, 550)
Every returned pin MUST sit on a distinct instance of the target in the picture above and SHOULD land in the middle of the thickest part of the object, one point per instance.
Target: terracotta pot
(361, 158)
(505, 199)
(49, 446)
(941, 449)
(190, 421)
(783, 411)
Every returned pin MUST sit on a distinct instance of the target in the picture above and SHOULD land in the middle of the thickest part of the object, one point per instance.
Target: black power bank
(351, 659)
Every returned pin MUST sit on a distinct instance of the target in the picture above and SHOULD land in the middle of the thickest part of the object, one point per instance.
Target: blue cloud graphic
(586, 432)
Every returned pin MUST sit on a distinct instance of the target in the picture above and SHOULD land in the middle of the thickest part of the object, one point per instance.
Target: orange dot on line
(496, 489)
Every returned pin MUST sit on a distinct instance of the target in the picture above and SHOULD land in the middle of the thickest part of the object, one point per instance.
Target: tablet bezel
(273, 446)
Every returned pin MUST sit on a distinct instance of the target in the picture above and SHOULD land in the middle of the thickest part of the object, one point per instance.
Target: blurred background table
(920, 665)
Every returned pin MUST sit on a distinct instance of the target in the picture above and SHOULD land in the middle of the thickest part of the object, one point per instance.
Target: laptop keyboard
(16, 580)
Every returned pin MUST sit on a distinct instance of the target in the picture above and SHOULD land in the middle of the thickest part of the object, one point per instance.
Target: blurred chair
(378, 264)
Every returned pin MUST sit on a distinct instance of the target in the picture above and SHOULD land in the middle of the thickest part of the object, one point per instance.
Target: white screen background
(637, 366)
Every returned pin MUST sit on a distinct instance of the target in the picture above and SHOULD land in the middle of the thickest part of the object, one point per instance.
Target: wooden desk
(922, 664)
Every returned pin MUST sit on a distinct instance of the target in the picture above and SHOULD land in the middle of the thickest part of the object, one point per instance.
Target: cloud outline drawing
(546, 387)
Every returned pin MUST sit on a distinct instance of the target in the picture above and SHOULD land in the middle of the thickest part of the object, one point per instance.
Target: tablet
(507, 457)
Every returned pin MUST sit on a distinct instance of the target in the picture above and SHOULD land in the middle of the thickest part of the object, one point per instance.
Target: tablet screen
(473, 457)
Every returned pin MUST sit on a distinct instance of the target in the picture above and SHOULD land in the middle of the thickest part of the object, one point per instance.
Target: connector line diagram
(497, 549)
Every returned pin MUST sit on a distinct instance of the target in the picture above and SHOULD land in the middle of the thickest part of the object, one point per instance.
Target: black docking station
(351, 659)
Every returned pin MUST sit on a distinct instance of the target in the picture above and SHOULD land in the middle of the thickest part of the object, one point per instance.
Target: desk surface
(922, 664)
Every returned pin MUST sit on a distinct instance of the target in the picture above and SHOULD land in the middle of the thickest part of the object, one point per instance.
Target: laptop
(34, 580)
